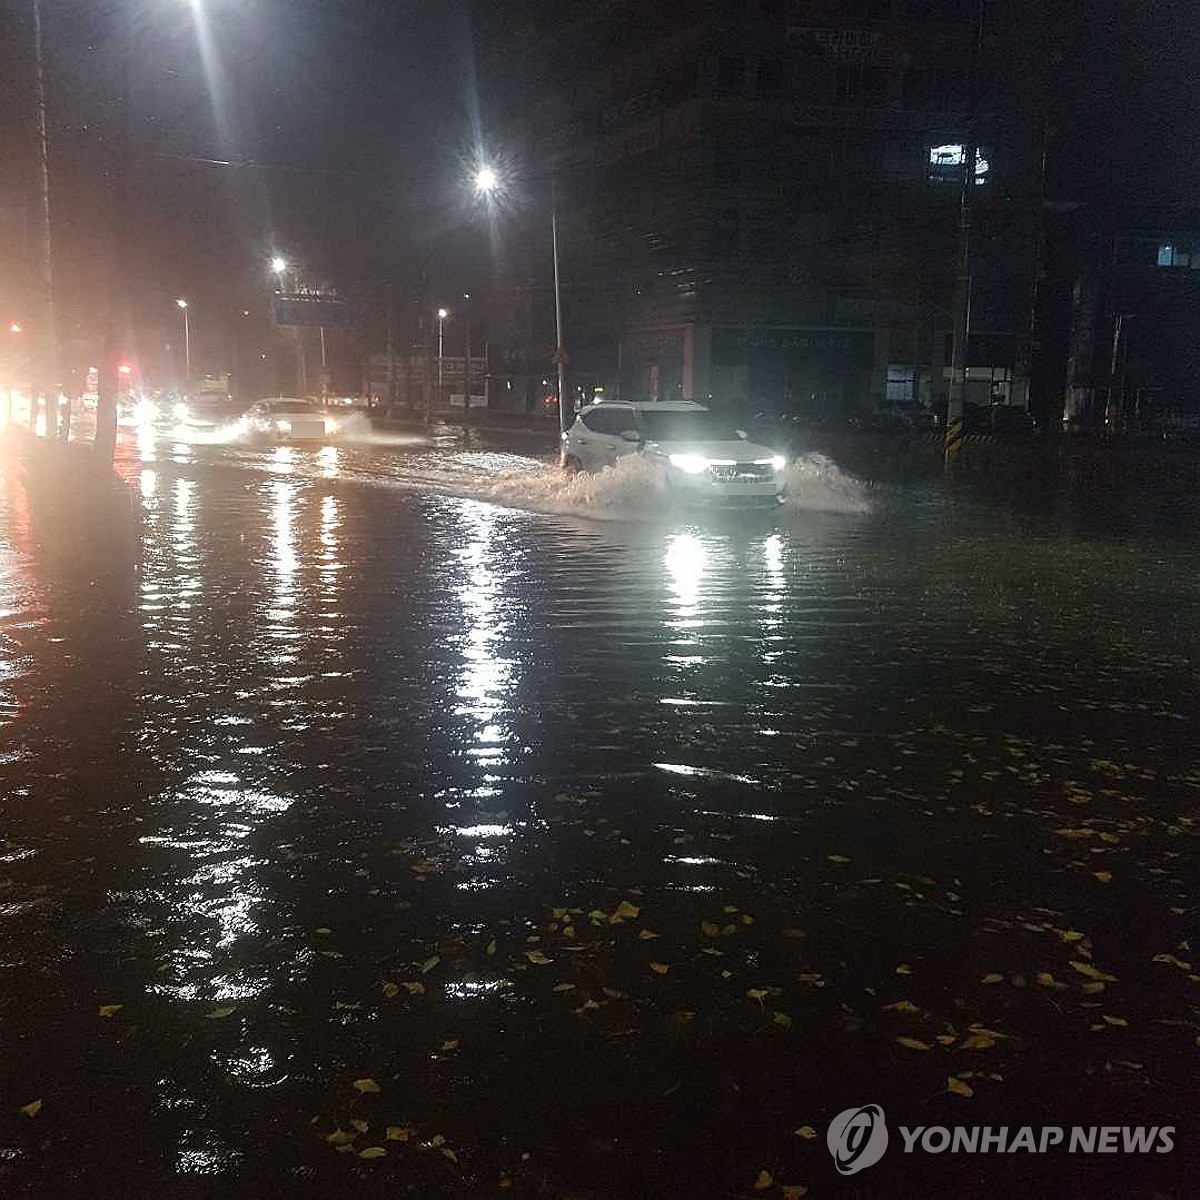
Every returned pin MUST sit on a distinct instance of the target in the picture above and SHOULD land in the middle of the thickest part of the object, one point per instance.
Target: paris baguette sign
(858, 1138)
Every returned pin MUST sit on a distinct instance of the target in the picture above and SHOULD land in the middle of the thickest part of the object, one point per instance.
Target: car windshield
(687, 427)
(292, 406)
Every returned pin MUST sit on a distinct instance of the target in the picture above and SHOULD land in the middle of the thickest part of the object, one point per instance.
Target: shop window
(946, 164)
(1170, 254)
(900, 385)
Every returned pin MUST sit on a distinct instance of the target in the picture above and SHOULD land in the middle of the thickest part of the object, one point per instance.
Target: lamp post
(279, 267)
(466, 420)
(187, 340)
(442, 314)
(487, 184)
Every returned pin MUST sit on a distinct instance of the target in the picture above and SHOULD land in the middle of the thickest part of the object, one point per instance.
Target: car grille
(743, 473)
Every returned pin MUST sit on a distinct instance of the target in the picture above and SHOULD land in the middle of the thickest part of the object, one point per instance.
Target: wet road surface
(413, 821)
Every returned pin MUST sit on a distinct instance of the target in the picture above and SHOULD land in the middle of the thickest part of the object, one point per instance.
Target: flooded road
(413, 820)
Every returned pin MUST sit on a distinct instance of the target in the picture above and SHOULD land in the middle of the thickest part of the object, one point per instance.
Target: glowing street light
(442, 314)
(16, 327)
(486, 181)
(278, 265)
(187, 338)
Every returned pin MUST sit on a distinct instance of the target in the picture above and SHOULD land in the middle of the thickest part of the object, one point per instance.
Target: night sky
(364, 114)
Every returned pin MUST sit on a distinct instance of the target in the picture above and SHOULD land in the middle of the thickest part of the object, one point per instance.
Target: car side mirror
(630, 435)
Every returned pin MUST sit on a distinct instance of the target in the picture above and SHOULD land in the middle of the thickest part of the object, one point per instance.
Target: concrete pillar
(697, 362)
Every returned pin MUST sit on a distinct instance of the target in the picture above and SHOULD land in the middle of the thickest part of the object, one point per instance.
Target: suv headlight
(779, 462)
(180, 411)
(690, 464)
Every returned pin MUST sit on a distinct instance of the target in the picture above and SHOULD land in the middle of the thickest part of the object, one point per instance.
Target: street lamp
(487, 184)
(182, 305)
(442, 314)
(278, 265)
(16, 327)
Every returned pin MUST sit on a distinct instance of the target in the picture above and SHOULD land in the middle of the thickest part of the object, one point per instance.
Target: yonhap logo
(857, 1138)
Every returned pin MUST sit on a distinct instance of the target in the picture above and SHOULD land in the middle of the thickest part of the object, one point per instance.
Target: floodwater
(410, 820)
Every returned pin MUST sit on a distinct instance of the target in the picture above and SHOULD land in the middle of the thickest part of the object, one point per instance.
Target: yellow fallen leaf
(340, 1137)
(218, 1013)
(1045, 979)
(323, 931)
(1103, 876)
(448, 1153)
(398, 1133)
(505, 1183)
(837, 858)
(372, 1152)
(1090, 972)
(365, 1085)
(450, 1044)
(807, 1132)
(758, 994)
(491, 948)
(391, 989)
(436, 1141)
(1095, 987)
(958, 1088)
(31, 1109)
(793, 1191)
(1113, 1020)
(625, 911)
(901, 1006)
(107, 1010)
(1070, 935)
(710, 929)
(978, 1041)
(563, 987)
(1172, 961)
(945, 1039)
(782, 1020)
(359, 1124)
(646, 934)
(659, 968)
(912, 1044)
(536, 956)
(765, 1180)
(904, 969)
(993, 977)
(431, 962)
(568, 931)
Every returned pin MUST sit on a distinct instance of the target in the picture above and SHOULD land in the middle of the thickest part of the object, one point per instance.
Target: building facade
(758, 200)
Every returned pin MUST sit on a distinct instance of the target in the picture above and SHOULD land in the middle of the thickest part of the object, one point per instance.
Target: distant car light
(779, 462)
(283, 426)
(690, 464)
(181, 411)
(331, 426)
(145, 412)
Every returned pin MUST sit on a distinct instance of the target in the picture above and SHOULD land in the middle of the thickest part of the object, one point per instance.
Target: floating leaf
(710, 929)
(1172, 960)
(993, 977)
(431, 962)
(359, 1124)
(807, 1132)
(491, 948)
(646, 934)
(912, 1044)
(1119, 1021)
(1045, 979)
(448, 1153)
(363, 1086)
(450, 1044)
(564, 987)
(1095, 987)
(901, 1006)
(837, 858)
(108, 1010)
(536, 956)
(413, 987)
(782, 1020)
(31, 1109)
(323, 931)
(945, 1039)
(793, 1191)
(218, 1013)
(1090, 972)
(398, 1133)
(1103, 876)
(340, 1137)
(1070, 935)
(758, 994)
(625, 912)
(659, 968)
(904, 969)
(958, 1088)
(372, 1152)
(391, 989)
(765, 1180)
(978, 1041)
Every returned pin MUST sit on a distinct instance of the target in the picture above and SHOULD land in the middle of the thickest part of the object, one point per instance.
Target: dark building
(1134, 343)
(759, 200)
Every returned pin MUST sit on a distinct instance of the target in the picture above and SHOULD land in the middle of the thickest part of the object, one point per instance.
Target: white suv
(703, 454)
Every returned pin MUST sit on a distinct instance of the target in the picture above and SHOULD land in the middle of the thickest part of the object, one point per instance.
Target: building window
(946, 164)
(731, 74)
(1170, 254)
(860, 82)
(900, 385)
(770, 77)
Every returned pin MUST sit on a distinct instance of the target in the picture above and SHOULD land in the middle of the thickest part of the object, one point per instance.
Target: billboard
(311, 309)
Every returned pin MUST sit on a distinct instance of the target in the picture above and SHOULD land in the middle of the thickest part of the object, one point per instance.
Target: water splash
(815, 483)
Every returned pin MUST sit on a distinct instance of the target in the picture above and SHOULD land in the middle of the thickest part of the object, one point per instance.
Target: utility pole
(561, 352)
(962, 286)
(45, 357)
(467, 363)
